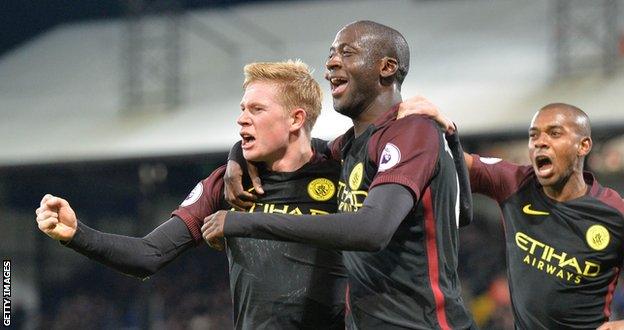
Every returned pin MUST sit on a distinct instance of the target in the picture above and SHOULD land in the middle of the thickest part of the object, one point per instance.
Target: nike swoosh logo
(527, 209)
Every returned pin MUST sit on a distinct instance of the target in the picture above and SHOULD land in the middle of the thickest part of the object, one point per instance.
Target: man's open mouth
(543, 164)
(338, 85)
(247, 140)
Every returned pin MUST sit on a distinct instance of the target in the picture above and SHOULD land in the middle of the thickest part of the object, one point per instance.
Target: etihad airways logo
(555, 263)
(280, 209)
(528, 210)
(350, 200)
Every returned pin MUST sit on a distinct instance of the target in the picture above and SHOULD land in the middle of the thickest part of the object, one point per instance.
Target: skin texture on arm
(138, 257)
(368, 229)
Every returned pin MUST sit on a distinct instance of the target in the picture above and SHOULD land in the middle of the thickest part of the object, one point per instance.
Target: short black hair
(388, 42)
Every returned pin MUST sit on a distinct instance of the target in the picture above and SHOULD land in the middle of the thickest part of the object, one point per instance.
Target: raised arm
(138, 257)
(233, 189)
(368, 229)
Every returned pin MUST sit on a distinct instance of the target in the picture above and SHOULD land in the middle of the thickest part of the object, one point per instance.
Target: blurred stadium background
(122, 106)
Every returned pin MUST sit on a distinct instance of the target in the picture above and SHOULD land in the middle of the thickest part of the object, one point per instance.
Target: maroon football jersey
(563, 258)
(413, 282)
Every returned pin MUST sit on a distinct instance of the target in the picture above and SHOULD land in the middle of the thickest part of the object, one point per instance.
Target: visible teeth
(337, 81)
(247, 137)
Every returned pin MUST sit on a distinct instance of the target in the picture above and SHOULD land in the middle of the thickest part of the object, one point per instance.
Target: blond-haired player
(274, 285)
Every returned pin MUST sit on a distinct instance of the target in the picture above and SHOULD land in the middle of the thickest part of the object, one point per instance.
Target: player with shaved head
(564, 231)
(398, 195)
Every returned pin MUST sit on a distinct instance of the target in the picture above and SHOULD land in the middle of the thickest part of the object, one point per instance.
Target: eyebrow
(549, 127)
(341, 46)
(253, 104)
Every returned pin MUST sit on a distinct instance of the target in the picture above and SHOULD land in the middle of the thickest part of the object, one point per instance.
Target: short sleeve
(496, 178)
(201, 202)
(406, 153)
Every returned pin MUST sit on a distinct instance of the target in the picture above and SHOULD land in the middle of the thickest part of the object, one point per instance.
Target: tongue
(545, 169)
(246, 142)
(339, 89)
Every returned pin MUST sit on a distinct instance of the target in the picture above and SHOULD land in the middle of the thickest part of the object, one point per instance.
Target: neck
(378, 106)
(294, 156)
(572, 187)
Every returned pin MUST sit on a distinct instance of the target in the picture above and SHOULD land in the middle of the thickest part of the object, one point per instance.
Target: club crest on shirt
(390, 156)
(355, 178)
(597, 237)
(194, 195)
(321, 189)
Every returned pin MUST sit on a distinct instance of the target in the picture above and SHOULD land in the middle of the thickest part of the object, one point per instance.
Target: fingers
(56, 202)
(241, 200)
(50, 202)
(447, 125)
(216, 243)
(47, 214)
(209, 227)
(209, 235)
(47, 220)
(417, 107)
(212, 231)
(233, 189)
(44, 200)
(255, 178)
(206, 225)
(47, 225)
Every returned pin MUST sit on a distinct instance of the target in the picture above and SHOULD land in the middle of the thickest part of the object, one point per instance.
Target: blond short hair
(299, 89)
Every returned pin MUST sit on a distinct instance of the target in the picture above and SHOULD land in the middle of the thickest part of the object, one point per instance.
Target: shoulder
(216, 175)
(414, 129)
(412, 123)
(213, 183)
(321, 162)
(611, 198)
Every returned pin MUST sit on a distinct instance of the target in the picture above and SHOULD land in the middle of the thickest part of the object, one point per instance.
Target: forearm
(139, 257)
(368, 229)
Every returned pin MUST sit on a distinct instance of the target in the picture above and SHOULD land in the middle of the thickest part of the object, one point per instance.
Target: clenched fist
(56, 218)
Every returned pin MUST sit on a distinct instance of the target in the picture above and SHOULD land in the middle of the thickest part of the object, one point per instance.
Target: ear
(298, 118)
(389, 67)
(584, 146)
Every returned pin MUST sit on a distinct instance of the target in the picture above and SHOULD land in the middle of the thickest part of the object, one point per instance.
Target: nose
(333, 62)
(541, 140)
(243, 119)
